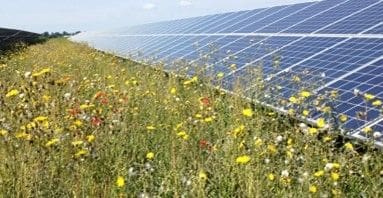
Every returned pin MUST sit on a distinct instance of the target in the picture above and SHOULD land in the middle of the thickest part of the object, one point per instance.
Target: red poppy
(100, 94)
(96, 121)
(205, 101)
(104, 101)
(203, 144)
(73, 112)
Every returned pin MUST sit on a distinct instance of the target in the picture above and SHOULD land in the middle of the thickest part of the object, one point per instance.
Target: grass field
(75, 122)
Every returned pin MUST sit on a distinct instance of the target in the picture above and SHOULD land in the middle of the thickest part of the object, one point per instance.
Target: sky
(92, 15)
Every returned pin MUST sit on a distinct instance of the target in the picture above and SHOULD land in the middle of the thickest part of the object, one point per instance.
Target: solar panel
(333, 48)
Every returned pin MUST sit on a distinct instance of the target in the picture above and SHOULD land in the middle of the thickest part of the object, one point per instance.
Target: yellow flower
(11, 93)
(377, 103)
(293, 100)
(31, 125)
(233, 66)
(220, 74)
(368, 96)
(349, 146)
(327, 139)
(202, 175)
(3, 132)
(238, 131)
(271, 177)
(272, 148)
(244, 159)
(77, 123)
(313, 131)
(150, 155)
(81, 153)
(86, 106)
(326, 109)
(321, 122)
(52, 142)
(42, 72)
(343, 118)
(247, 112)
(193, 80)
(319, 173)
(183, 135)
(305, 94)
(335, 176)
(173, 91)
(46, 98)
(296, 79)
(258, 142)
(90, 138)
(78, 142)
(151, 128)
(40, 119)
(291, 112)
(208, 119)
(367, 130)
(306, 112)
(313, 189)
(23, 135)
(120, 182)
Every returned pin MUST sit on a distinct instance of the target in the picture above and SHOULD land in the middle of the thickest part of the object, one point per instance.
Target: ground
(78, 122)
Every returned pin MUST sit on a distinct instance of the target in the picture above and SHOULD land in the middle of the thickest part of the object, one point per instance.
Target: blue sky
(73, 15)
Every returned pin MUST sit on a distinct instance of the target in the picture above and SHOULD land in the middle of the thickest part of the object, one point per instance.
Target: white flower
(323, 75)
(27, 74)
(377, 135)
(267, 160)
(302, 125)
(328, 166)
(278, 139)
(131, 171)
(287, 162)
(67, 95)
(285, 173)
(356, 92)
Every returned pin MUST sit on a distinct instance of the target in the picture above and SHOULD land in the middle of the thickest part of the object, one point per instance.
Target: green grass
(82, 119)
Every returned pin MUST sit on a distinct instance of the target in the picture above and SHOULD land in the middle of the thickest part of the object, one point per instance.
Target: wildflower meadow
(75, 122)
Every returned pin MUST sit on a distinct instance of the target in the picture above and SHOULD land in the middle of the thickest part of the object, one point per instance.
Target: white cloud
(149, 6)
(185, 3)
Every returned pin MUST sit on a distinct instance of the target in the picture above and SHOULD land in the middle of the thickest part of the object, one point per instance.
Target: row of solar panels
(319, 17)
(342, 55)
(10, 37)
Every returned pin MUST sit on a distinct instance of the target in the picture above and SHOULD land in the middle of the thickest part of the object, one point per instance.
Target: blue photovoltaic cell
(258, 15)
(302, 15)
(376, 30)
(248, 52)
(358, 22)
(192, 45)
(240, 16)
(213, 22)
(334, 14)
(331, 47)
(279, 14)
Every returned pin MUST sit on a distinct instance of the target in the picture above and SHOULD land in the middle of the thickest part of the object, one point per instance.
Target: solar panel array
(333, 48)
(10, 37)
